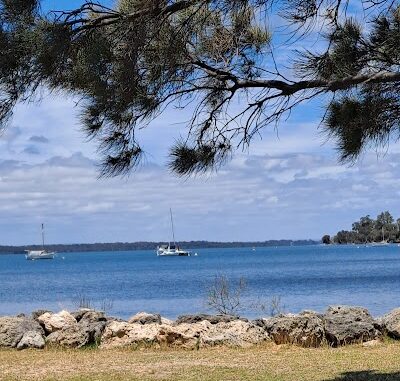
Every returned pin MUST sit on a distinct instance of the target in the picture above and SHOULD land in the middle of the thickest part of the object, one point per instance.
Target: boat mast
(172, 226)
(42, 236)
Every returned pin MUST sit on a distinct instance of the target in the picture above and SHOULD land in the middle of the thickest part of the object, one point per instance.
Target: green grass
(268, 362)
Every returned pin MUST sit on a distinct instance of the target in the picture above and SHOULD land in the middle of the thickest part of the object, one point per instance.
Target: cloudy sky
(289, 184)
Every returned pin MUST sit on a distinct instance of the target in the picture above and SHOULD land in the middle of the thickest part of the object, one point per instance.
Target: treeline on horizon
(132, 246)
(369, 230)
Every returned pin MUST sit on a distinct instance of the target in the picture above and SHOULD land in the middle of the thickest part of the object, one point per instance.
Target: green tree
(326, 239)
(364, 229)
(397, 229)
(345, 237)
(384, 226)
(128, 63)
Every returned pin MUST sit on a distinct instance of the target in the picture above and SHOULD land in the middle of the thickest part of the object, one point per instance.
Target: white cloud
(242, 202)
(291, 187)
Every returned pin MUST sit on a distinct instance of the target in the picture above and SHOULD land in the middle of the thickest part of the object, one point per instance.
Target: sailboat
(171, 250)
(40, 254)
(383, 242)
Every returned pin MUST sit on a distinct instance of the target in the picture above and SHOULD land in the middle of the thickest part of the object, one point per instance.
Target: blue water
(308, 277)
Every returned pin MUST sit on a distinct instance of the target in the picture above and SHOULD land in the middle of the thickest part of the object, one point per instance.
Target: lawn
(268, 362)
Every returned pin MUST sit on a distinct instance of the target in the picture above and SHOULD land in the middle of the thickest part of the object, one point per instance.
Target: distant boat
(171, 250)
(40, 254)
(383, 242)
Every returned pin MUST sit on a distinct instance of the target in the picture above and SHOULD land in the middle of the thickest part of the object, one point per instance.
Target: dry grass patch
(267, 363)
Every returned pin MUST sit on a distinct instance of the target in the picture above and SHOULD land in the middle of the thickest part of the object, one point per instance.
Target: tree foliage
(367, 230)
(127, 64)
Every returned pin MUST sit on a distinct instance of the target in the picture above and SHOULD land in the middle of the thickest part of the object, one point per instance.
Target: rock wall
(339, 325)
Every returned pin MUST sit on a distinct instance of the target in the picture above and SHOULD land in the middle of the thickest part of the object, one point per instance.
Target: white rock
(55, 322)
(123, 334)
(31, 339)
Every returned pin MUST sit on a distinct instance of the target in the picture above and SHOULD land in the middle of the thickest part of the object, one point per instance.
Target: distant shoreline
(135, 246)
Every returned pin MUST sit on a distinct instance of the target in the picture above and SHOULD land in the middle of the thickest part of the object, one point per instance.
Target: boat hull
(172, 253)
(185, 254)
(33, 255)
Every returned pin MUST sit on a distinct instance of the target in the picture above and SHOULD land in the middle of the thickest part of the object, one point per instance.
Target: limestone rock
(145, 318)
(236, 333)
(71, 336)
(88, 314)
(184, 335)
(12, 329)
(213, 319)
(345, 325)
(78, 335)
(93, 316)
(31, 339)
(55, 322)
(123, 334)
(391, 323)
(194, 335)
(94, 329)
(305, 329)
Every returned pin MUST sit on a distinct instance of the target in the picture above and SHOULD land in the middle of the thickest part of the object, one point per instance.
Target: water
(308, 277)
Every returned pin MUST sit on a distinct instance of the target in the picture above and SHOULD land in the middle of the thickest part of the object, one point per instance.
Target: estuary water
(304, 277)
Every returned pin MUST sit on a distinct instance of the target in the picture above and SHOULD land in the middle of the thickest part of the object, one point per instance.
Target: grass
(268, 362)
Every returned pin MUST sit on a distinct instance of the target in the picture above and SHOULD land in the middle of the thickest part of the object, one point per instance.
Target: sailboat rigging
(171, 250)
(40, 254)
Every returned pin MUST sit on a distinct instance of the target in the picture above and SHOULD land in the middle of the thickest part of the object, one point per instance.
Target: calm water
(310, 277)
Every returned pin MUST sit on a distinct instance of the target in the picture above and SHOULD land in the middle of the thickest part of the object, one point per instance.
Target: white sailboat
(383, 242)
(40, 254)
(171, 250)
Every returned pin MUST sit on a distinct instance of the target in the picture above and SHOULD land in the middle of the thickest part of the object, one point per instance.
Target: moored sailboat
(40, 254)
(172, 250)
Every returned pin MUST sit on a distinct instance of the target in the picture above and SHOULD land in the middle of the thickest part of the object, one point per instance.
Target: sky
(289, 185)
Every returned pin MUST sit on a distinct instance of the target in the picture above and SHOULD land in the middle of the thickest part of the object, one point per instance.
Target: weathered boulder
(78, 335)
(71, 336)
(31, 339)
(213, 319)
(56, 322)
(345, 325)
(187, 335)
(94, 329)
(237, 333)
(12, 329)
(305, 329)
(88, 314)
(145, 318)
(194, 335)
(123, 334)
(391, 323)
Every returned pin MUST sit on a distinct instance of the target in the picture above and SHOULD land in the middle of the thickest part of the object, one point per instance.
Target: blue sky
(289, 184)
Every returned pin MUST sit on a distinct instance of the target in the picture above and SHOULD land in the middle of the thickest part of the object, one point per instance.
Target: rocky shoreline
(339, 325)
